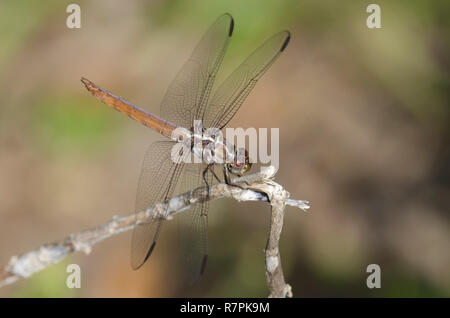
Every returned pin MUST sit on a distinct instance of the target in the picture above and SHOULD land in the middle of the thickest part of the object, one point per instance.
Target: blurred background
(364, 135)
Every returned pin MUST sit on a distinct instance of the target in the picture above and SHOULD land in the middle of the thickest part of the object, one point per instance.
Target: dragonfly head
(241, 163)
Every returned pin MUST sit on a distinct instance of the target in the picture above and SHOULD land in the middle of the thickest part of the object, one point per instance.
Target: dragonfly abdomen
(134, 112)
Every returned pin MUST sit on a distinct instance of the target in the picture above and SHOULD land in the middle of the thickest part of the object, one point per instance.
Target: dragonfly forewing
(187, 97)
(230, 95)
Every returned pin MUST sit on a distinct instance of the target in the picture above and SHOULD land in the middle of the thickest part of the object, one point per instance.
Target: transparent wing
(193, 226)
(187, 96)
(157, 182)
(234, 90)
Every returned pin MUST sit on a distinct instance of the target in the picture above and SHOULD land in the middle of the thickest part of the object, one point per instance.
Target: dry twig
(255, 187)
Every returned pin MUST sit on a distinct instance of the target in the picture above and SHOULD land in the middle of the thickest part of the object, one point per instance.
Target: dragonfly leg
(208, 187)
(226, 175)
(227, 178)
(211, 168)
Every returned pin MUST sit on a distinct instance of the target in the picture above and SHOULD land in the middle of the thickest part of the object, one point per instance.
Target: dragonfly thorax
(213, 148)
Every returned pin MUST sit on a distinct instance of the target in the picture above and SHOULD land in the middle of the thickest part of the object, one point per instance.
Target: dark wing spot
(204, 262)
(149, 252)
(286, 42)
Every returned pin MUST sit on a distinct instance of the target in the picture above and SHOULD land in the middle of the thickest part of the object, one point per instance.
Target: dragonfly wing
(193, 226)
(187, 96)
(230, 95)
(157, 182)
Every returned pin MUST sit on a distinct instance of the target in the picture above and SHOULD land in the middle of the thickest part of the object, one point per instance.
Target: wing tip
(286, 42)
(139, 264)
(204, 262)
(230, 32)
(231, 28)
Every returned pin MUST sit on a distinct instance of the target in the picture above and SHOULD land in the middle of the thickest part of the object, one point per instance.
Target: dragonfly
(189, 98)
